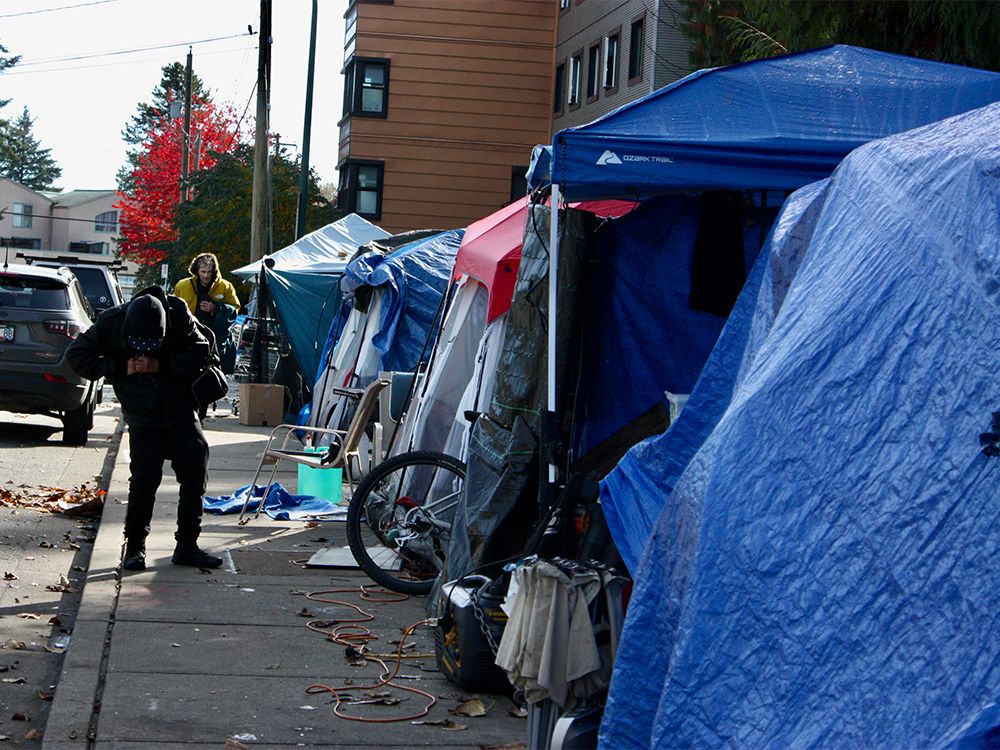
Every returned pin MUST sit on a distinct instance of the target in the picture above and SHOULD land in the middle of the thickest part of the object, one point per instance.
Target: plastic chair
(343, 447)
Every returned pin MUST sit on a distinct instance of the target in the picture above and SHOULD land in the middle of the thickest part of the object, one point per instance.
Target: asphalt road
(43, 557)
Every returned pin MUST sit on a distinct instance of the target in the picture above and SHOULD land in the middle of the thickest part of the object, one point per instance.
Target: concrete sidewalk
(179, 657)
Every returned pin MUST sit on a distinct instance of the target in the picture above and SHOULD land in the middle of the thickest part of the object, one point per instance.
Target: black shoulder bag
(210, 384)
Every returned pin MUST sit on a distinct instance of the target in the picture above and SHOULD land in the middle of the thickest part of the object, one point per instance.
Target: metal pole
(258, 225)
(300, 220)
(553, 287)
(186, 130)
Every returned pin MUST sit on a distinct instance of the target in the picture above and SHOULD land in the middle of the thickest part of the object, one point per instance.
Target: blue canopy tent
(773, 124)
(820, 573)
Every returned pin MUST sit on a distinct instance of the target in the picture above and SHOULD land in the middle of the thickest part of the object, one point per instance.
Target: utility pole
(259, 204)
(186, 130)
(300, 219)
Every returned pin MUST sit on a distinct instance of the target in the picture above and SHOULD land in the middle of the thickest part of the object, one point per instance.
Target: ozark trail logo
(608, 157)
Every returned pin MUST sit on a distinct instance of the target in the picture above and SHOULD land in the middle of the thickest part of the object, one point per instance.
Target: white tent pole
(553, 284)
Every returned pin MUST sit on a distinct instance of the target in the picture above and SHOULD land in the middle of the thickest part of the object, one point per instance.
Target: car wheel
(77, 423)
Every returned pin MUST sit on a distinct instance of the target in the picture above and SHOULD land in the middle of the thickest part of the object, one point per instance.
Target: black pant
(185, 445)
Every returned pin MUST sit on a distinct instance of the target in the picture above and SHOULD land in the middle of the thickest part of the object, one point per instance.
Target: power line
(16, 72)
(49, 60)
(50, 10)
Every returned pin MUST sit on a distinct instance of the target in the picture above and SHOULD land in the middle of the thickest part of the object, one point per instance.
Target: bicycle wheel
(399, 519)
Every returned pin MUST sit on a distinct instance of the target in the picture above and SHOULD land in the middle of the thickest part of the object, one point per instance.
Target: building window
(611, 61)
(573, 94)
(361, 188)
(593, 72)
(22, 243)
(106, 222)
(563, 4)
(22, 215)
(636, 42)
(366, 87)
(94, 248)
(560, 89)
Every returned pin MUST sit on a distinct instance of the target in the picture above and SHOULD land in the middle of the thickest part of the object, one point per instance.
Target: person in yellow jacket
(213, 301)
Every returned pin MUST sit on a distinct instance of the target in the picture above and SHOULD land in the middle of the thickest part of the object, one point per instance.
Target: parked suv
(97, 277)
(41, 311)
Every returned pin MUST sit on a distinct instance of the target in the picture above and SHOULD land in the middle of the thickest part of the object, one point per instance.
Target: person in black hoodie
(150, 350)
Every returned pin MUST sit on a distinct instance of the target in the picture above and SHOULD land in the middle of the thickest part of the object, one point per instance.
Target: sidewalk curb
(76, 702)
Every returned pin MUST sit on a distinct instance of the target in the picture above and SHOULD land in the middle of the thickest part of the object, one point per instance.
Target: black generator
(462, 650)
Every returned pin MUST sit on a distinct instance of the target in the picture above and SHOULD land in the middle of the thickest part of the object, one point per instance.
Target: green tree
(170, 89)
(22, 158)
(218, 219)
(6, 62)
(729, 31)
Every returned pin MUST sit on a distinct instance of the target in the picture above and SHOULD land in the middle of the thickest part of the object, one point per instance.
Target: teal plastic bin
(324, 483)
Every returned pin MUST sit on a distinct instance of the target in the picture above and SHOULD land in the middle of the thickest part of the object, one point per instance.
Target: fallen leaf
(232, 744)
(517, 712)
(474, 707)
(45, 695)
(32, 734)
(305, 613)
(505, 746)
(14, 645)
(8, 576)
(54, 620)
(29, 616)
(19, 717)
(14, 680)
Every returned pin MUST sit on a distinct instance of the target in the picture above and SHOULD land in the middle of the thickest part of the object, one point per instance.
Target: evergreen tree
(6, 62)
(21, 157)
(728, 31)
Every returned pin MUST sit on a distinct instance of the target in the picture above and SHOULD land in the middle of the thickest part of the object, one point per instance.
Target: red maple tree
(148, 211)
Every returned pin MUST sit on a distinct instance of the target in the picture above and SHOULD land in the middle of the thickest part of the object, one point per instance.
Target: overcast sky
(80, 106)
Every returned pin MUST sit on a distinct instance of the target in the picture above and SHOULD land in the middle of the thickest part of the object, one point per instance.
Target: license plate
(6, 333)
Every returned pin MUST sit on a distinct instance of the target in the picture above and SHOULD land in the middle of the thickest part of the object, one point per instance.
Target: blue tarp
(776, 123)
(306, 304)
(280, 505)
(642, 334)
(413, 279)
(823, 573)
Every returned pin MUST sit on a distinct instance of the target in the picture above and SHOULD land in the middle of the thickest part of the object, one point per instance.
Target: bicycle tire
(405, 566)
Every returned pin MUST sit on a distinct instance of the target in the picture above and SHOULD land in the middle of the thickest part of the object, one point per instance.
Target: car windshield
(36, 293)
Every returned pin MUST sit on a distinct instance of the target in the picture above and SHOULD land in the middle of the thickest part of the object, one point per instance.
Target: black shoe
(135, 556)
(192, 555)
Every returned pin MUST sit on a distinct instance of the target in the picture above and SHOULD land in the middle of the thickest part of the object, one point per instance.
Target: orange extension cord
(350, 634)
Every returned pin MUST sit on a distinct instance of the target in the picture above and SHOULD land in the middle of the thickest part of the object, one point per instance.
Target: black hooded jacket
(103, 350)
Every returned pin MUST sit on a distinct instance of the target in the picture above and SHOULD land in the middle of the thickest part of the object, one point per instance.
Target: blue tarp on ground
(280, 505)
(776, 123)
(823, 573)
(413, 279)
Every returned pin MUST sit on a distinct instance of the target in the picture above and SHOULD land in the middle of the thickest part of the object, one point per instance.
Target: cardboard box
(261, 404)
